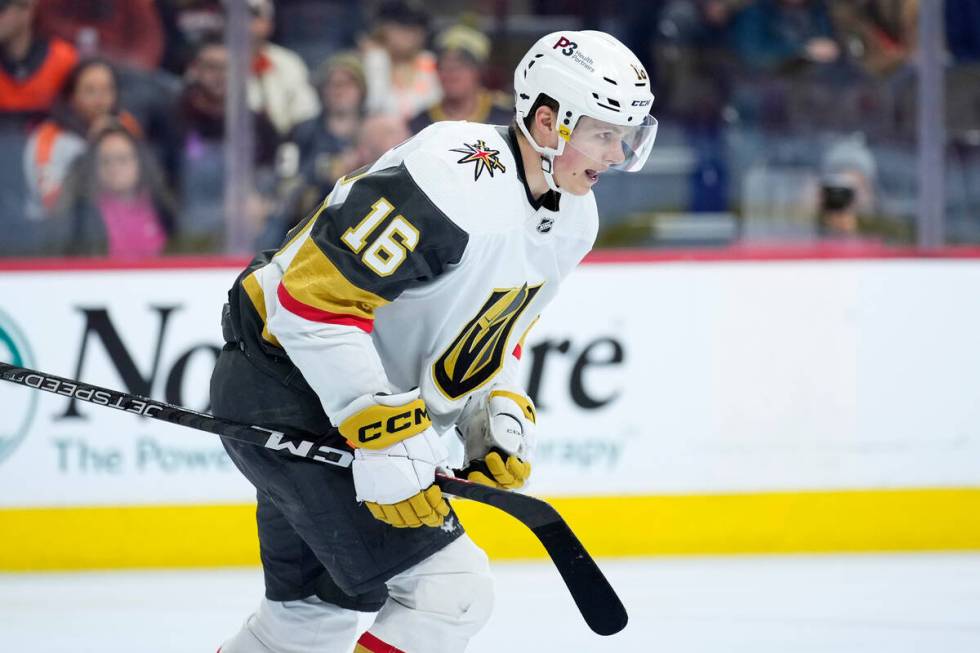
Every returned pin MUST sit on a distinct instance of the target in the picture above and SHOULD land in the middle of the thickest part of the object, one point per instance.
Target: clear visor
(614, 146)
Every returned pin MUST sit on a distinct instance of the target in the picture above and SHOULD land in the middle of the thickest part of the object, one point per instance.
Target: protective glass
(616, 146)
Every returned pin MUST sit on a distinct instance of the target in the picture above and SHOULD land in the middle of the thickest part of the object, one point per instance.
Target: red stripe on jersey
(518, 351)
(313, 314)
(375, 645)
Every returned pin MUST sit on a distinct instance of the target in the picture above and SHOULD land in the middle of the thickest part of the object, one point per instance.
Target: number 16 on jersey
(390, 248)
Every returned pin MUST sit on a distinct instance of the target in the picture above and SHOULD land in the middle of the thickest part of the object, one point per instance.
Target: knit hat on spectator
(850, 153)
(347, 60)
(467, 41)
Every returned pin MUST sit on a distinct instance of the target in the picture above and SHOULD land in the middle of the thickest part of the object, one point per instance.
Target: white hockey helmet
(588, 73)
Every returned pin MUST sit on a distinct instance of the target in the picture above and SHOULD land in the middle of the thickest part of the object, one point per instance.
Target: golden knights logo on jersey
(477, 353)
(482, 156)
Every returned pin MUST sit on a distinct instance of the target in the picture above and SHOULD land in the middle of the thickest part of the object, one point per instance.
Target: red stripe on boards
(375, 645)
(308, 312)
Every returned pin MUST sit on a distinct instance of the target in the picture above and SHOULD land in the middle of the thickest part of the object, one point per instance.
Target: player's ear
(544, 119)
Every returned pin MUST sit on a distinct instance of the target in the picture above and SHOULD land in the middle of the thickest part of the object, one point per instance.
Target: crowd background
(782, 121)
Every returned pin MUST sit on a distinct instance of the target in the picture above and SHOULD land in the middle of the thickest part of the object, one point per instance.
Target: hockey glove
(396, 454)
(498, 434)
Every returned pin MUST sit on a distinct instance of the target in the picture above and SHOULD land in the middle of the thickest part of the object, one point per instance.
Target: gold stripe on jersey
(254, 291)
(527, 331)
(351, 177)
(313, 279)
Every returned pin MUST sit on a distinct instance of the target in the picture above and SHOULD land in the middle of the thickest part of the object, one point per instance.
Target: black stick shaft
(256, 435)
(595, 598)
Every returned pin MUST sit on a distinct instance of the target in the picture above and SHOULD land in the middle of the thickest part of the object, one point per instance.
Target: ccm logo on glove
(379, 426)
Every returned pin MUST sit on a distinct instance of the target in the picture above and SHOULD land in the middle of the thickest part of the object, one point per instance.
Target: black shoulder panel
(387, 235)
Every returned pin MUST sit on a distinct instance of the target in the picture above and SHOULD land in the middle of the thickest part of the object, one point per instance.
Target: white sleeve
(339, 362)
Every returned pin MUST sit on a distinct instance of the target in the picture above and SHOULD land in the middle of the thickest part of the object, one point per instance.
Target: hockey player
(396, 312)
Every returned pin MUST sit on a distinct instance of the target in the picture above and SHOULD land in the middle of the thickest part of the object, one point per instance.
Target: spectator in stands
(401, 73)
(185, 24)
(782, 35)
(693, 89)
(881, 35)
(462, 54)
(115, 202)
(963, 78)
(32, 72)
(127, 32)
(321, 148)
(377, 135)
(279, 85)
(963, 81)
(322, 140)
(847, 189)
(89, 101)
(202, 137)
(32, 68)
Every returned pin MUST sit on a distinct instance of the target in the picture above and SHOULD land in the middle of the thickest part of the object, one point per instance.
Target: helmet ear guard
(548, 154)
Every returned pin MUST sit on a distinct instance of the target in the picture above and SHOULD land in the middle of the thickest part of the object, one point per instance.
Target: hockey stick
(594, 596)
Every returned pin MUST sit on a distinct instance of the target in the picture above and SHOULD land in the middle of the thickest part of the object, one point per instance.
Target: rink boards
(685, 407)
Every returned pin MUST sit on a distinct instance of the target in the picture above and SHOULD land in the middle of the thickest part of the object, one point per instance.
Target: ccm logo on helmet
(640, 103)
(394, 424)
(568, 47)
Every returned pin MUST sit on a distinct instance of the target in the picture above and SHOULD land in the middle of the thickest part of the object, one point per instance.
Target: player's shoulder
(465, 150)
(468, 169)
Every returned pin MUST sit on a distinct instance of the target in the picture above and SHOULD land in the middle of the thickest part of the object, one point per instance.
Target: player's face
(594, 147)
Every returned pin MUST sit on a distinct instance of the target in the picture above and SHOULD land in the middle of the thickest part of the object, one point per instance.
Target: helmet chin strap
(547, 164)
(548, 155)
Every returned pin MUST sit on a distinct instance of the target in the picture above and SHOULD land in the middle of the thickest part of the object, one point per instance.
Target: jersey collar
(549, 200)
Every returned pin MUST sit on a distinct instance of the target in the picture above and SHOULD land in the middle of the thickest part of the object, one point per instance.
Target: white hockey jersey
(425, 270)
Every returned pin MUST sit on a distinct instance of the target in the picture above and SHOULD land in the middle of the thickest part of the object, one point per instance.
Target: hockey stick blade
(594, 596)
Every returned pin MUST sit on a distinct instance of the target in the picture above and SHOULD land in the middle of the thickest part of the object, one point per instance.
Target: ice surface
(757, 604)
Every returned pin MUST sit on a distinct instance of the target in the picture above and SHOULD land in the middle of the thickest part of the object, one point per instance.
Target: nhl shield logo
(477, 353)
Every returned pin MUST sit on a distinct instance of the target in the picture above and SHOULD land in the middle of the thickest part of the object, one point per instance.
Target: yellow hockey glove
(498, 434)
(396, 454)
